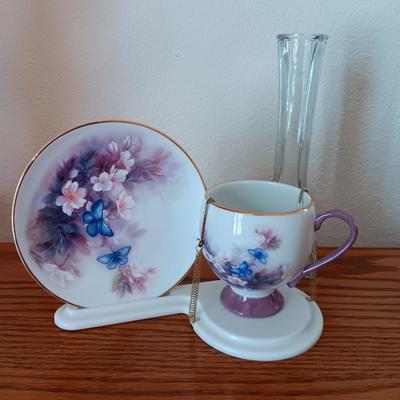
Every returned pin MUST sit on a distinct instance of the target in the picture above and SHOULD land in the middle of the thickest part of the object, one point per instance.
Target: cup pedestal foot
(252, 307)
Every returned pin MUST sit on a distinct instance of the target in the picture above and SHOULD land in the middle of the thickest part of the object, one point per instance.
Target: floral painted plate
(108, 212)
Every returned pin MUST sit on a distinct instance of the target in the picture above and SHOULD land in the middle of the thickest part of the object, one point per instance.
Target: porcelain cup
(258, 236)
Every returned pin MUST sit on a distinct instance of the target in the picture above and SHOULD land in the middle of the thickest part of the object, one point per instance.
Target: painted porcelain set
(107, 217)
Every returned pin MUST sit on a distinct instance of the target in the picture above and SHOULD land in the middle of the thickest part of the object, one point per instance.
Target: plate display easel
(287, 334)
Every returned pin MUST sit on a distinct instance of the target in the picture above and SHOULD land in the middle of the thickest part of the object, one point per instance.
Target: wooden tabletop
(357, 357)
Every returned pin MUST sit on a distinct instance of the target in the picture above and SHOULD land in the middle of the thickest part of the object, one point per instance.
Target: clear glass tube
(300, 57)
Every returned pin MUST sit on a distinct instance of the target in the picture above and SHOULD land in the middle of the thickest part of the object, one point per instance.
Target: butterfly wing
(113, 263)
(87, 217)
(121, 254)
(258, 254)
(92, 229)
(97, 209)
(109, 260)
(105, 258)
(122, 260)
(244, 269)
(123, 251)
(262, 256)
(104, 229)
(263, 259)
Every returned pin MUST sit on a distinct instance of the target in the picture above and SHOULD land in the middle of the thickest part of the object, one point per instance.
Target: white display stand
(294, 330)
(176, 301)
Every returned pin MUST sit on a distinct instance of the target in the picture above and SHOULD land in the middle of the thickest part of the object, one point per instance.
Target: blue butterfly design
(116, 258)
(95, 222)
(259, 254)
(243, 271)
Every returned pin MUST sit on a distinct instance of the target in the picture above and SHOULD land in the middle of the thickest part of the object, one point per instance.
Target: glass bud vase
(300, 58)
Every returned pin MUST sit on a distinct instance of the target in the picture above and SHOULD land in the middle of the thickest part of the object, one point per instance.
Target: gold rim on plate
(43, 148)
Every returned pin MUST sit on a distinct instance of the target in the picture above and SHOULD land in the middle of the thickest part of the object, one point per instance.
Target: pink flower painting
(72, 197)
(102, 183)
(89, 209)
(125, 204)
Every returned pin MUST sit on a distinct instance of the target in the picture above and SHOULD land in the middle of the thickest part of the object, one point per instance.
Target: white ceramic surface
(263, 244)
(108, 213)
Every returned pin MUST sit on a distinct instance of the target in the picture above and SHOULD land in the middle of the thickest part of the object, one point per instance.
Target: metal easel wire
(196, 275)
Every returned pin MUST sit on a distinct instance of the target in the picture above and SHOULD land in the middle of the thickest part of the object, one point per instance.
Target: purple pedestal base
(248, 307)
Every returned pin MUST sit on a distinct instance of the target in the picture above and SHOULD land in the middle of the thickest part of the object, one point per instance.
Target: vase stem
(300, 57)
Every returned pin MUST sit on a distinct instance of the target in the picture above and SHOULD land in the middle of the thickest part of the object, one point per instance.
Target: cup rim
(304, 36)
(249, 212)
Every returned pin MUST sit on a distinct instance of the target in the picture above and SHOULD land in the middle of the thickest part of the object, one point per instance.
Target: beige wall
(206, 73)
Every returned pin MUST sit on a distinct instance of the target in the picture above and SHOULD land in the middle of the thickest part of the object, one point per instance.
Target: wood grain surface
(357, 357)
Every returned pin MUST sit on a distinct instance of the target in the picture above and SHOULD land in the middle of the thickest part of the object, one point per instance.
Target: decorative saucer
(108, 213)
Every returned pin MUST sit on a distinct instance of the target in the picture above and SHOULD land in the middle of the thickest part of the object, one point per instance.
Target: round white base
(292, 331)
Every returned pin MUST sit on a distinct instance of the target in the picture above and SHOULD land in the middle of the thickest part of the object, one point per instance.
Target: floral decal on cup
(248, 268)
(89, 210)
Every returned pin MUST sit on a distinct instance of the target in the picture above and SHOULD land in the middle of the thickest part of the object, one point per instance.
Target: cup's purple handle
(336, 253)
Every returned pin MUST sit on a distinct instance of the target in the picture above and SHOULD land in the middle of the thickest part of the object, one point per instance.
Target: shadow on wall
(52, 74)
(43, 74)
(354, 169)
